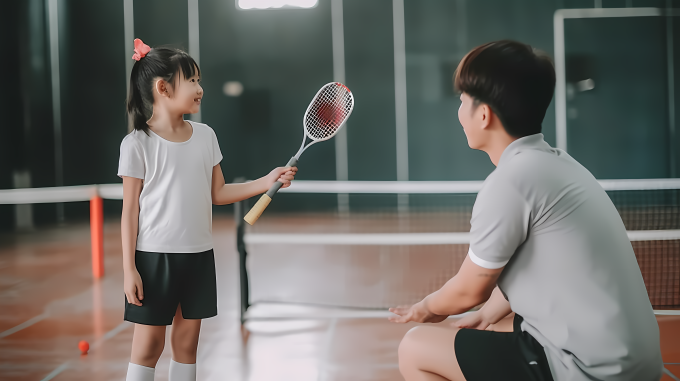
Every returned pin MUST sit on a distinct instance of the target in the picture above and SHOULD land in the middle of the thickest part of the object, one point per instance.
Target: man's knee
(410, 342)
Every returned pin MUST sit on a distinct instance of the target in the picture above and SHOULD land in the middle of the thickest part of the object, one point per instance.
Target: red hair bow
(141, 50)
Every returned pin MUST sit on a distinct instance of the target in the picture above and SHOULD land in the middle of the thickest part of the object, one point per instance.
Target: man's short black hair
(514, 79)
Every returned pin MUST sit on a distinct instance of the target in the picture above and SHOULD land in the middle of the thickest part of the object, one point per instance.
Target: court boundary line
(670, 374)
(108, 335)
(327, 348)
(57, 371)
(26, 324)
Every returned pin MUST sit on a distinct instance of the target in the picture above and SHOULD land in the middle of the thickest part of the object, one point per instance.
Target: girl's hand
(474, 320)
(284, 175)
(132, 284)
(416, 313)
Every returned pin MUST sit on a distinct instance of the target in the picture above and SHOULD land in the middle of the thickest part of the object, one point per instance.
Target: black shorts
(487, 355)
(172, 279)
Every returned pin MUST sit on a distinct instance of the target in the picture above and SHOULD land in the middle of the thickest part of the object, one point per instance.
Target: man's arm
(223, 193)
(471, 286)
(496, 308)
(493, 311)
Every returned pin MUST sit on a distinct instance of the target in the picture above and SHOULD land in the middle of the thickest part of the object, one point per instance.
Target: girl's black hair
(160, 62)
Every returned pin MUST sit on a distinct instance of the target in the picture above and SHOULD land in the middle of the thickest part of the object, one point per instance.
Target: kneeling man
(546, 243)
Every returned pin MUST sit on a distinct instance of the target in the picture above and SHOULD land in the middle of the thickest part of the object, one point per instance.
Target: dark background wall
(618, 130)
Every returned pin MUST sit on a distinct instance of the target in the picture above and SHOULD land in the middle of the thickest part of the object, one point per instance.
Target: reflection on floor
(48, 302)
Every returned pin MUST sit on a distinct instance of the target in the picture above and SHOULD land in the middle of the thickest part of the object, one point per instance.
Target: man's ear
(486, 114)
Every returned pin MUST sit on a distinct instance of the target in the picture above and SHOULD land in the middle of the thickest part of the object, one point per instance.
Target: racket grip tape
(259, 207)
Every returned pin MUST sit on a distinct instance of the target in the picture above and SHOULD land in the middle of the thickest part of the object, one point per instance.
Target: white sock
(182, 372)
(139, 373)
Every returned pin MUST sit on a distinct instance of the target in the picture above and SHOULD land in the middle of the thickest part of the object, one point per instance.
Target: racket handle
(259, 207)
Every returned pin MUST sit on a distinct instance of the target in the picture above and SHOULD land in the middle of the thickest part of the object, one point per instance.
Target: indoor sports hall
(379, 212)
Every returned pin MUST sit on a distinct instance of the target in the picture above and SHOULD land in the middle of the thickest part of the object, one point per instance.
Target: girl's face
(188, 93)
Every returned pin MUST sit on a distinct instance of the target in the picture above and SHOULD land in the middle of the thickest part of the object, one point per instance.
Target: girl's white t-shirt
(175, 206)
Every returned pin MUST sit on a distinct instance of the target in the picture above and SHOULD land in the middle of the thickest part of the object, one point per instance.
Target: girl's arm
(129, 224)
(229, 193)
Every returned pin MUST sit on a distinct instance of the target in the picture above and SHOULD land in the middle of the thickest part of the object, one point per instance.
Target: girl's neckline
(193, 132)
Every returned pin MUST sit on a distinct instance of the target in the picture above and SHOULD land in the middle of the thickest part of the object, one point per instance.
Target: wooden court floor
(48, 302)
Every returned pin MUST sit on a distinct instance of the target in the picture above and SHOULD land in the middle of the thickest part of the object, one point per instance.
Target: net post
(97, 235)
(240, 208)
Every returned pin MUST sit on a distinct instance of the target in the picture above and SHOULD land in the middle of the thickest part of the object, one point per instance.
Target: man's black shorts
(171, 279)
(501, 356)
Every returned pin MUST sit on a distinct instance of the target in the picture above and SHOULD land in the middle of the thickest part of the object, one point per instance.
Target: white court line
(121, 327)
(56, 372)
(25, 324)
(671, 375)
(327, 348)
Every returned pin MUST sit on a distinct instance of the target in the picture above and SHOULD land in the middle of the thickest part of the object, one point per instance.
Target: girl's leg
(147, 345)
(184, 342)
(427, 354)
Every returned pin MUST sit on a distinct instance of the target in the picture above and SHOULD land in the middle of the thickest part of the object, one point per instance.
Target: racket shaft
(259, 207)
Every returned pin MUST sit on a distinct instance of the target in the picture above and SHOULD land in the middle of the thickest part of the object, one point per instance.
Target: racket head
(328, 111)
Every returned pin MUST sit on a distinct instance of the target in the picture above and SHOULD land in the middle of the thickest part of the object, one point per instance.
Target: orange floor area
(48, 302)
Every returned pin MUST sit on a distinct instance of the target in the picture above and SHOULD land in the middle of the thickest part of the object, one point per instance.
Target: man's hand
(474, 320)
(416, 313)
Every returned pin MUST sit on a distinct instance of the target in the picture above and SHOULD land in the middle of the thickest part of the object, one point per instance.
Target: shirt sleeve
(499, 225)
(131, 162)
(217, 154)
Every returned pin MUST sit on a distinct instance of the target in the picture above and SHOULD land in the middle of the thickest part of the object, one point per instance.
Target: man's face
(469, 115)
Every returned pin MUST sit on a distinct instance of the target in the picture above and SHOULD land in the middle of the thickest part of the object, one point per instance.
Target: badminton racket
(325, 115)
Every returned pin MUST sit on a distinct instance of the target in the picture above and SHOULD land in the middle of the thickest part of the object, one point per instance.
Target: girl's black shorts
(172, 279)
(488, 355)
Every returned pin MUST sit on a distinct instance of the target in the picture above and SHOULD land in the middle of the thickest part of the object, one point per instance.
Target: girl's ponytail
(137, 115)
(153, 64)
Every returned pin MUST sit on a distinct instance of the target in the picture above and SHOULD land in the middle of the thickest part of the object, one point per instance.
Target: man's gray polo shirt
(570, 270)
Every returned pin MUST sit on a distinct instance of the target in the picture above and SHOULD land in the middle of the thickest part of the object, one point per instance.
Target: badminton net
(401, 241)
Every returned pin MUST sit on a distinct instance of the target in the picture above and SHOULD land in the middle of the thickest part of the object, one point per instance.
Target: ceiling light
(268, 4)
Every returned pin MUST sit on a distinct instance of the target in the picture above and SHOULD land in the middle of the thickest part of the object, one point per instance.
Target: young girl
(171, 177)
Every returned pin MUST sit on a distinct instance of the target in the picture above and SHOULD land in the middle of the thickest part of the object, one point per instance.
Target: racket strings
(328, 111)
